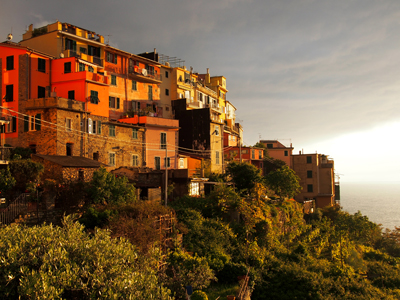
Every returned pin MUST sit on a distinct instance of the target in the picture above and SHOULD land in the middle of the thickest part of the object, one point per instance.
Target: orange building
(24, 74)
(277, 150)
(317, 177)
(252, 155)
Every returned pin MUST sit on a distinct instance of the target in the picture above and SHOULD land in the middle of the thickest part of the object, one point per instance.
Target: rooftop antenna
(108, 39)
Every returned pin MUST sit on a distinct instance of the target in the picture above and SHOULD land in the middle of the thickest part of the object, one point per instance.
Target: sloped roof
(71, 161)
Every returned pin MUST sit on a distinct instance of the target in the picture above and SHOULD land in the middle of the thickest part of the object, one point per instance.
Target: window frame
(67, 67)
(8, 97)
(157, 162)
(217, 157)
(10, 63)
(135, 134)
(309, 159)
(135, 160)
(68, 124)
(41, 92)
(112, 158)
(134, 85)
(94, 97)
(309, 174)
(310, 188)
(114, 80)
(163, 140)
(41, 65)
(71, 93)
(112, 131)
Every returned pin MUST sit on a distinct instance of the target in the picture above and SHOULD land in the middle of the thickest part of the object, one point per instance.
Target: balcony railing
(144, 72)
(194, 104)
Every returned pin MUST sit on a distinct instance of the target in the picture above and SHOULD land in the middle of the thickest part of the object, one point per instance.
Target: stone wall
(53, 136)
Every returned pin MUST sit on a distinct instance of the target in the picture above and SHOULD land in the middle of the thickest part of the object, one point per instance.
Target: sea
(380, 202)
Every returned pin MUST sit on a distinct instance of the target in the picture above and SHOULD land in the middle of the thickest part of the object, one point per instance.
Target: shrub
(199, 295)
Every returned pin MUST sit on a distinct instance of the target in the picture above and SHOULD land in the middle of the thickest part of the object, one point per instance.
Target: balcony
(143, 75)
(93, 59)
(194, 104)
(97, 77)
(215, 108)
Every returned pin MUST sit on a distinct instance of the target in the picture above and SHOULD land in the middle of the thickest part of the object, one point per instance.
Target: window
(253, 154)
(94, 51)
(94, 97)
(167, 162)
(70, 44)
(41, 92)
(111, 159)
(82, 50)
(69, 148)
(68, 124)
(134, 85)
(113, 79)
(10, 62)
(194, 189)
(90, 69)
(96, 156)
(309, 159)
(113, 102)
(41, 65)
(71, 95)
(135, 160)
(98, 127)
(310, 188)
(216, 130)
(150, 70)
(286, 153)
(181, 163)
(217, 157)
(9, 93)
(270, 146)
(309, 174)
(94, 128)
(81, 175)
(166, 92)
(112, 58)
(81, 67)
(150, 92)
(163, 140)
(67, 67)
(135, 133)
(259, 154)
(12, 125)
(111, 130)
(32, 123)
(166, 74)
(157, 163)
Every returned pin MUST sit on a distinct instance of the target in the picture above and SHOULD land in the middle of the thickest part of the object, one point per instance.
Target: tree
(50, 262)
(7, 181)
(26, 172)
(107, 188)
(244, 175)
(284, 182)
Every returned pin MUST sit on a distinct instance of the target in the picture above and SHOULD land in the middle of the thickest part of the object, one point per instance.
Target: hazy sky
(323, 75)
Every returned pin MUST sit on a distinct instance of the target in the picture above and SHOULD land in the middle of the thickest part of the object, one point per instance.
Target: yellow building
(66, 40)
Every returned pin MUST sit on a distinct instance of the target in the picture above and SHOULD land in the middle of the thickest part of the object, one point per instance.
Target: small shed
(67, 168)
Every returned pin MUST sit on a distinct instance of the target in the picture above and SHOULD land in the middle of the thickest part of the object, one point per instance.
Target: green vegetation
(146, 250)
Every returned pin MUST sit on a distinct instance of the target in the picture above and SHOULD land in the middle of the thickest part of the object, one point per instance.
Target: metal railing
(16, 207)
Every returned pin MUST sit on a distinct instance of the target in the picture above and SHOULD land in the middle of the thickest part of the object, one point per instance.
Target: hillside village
(79, 104)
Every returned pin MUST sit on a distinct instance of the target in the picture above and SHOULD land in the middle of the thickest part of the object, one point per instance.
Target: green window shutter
(37, 122)
(115, 58)
(74, 45)
(109, 101)
(117, 103)
(26, 123)
(99, 127)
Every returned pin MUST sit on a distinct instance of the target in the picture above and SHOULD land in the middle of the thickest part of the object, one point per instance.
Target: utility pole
(166, 174)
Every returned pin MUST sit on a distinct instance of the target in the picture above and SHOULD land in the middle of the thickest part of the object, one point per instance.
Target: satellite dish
(61, 55)
(9, 37)
(144, 72)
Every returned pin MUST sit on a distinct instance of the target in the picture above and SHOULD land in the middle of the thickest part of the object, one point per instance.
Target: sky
(323, 75)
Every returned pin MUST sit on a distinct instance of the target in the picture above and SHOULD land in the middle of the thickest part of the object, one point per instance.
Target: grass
(216, 290)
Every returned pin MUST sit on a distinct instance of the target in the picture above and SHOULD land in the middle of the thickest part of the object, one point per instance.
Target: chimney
(30, 27)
